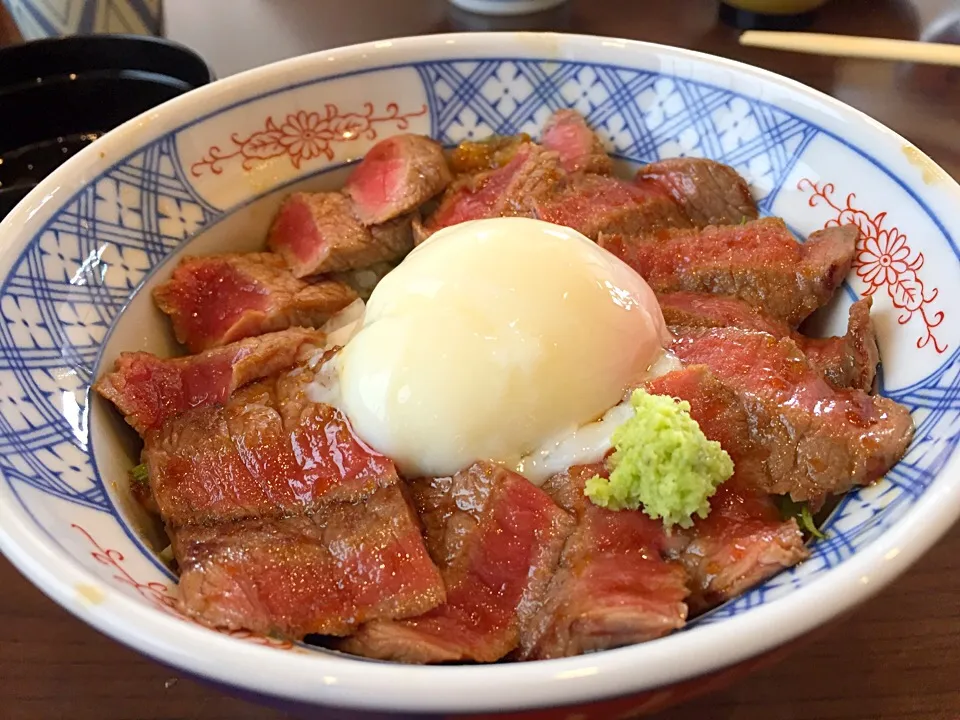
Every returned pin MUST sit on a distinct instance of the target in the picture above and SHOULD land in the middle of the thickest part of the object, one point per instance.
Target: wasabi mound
(663, 463)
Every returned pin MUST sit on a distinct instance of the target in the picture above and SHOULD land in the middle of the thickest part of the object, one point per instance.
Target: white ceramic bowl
(209, 168)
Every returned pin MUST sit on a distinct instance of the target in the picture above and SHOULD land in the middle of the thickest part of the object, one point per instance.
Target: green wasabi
(662, 462)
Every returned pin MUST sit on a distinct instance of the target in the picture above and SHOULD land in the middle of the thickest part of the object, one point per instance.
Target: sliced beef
(594, 204)
(848, 361)
(814, 439)
(614, 586)
(148, 390)
(743, 540)
(450, 509)
(580, 150)
(326, 573)
(268, 451)
(531, 174)
(471, 157)
(395, 177)
(453, 510)
(722, 415)
(851, 360)
(534, 184)
(219, 299)
(759, 262)
(320, 233)
(709, 192)
(693, 309)
(741, 543)
(497, 539)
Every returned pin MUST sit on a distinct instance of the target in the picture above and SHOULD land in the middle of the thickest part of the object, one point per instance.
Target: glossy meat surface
(496, 563)
(848, 361)
(741, 543)
(613, 587)
(219, 299)
(817, 439)
(268, 451)
(532, 173)
(327, 573)
(759, 262)
(594, 204)
(149, 390)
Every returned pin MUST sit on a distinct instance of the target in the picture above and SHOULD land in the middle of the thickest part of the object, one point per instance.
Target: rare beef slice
(497, 539)
(219, 299)
(372, 221)
(742, 542)
(327, 572)
(567, 133)
(268, 451)
(320, 233)
(395, 177)
(794, 433)
(758, 262)
(614, 586)
(512, 190)
(848, 361)
(708, 192)
(149, 390)
(595, 204)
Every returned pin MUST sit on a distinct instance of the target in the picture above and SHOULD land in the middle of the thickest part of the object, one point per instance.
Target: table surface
(898, 657)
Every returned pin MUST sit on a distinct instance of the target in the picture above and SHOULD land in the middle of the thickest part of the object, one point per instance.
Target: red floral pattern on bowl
(884, 260)
(303, 136)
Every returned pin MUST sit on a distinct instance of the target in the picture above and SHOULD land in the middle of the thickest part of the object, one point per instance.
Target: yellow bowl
(776, 7)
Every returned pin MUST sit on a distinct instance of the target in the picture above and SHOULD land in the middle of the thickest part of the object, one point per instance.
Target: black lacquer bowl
(59, 95)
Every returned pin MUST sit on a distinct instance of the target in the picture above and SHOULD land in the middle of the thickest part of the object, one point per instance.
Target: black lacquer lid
(748, 20)
(59, 95)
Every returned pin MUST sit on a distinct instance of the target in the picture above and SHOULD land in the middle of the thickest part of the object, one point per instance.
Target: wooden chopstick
(853, 46)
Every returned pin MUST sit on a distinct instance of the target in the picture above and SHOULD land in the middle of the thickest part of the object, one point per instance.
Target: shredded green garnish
(799, 511)
(662, 462)
(139, 474)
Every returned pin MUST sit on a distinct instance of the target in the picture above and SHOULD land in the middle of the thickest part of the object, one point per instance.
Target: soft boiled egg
(492, 339)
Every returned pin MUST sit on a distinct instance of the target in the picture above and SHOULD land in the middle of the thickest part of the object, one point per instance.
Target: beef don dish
(286, 517)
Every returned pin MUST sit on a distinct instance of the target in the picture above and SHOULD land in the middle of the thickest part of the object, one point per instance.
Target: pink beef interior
(377, 182)
(568, 134)
(210, 297)
(296, 230)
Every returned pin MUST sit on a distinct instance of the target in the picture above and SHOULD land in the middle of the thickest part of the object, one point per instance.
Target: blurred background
(285, 28)
(235, 35)
(49, 18)
(920, 102)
